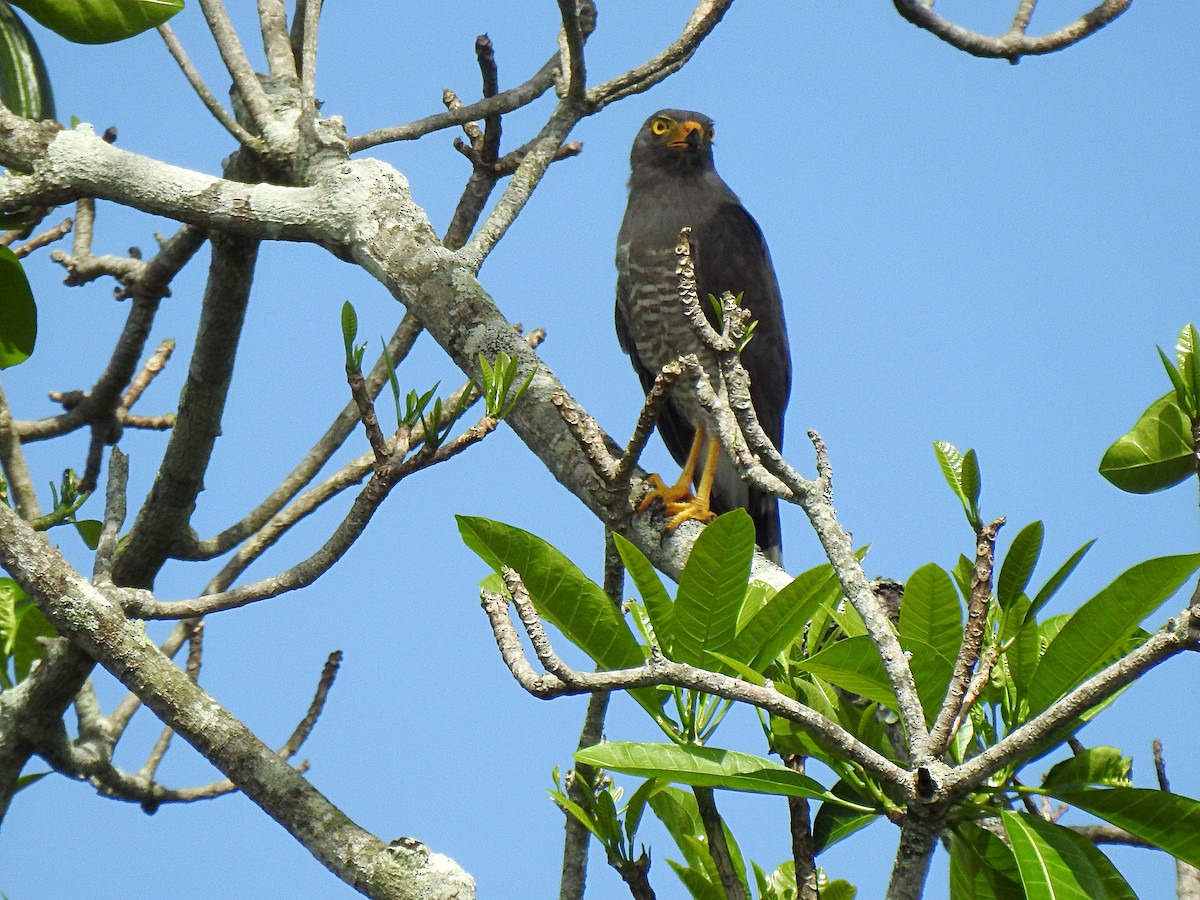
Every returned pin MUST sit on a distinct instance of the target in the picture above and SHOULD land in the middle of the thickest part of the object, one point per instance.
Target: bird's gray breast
(648, 294)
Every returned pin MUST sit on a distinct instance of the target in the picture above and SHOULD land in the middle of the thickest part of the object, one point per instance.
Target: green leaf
(677, 810)
(10, 594)
(1156, 454)
(931, 629)
(1095, 765)
(1021, 659)
(18, 312)
(658, 602)
(1170, 822)
(1056, 581)
(982, 867)
(712, 588)
(1186, 400)
(1186, 348)
(1019, 562)
(24, 82)
(563, 595)
(853, 664)
(27, 780)
(1057, 864)
(705, 767)
(839, 890)
(833, 822)
(89, 530)
(782, 619)
(1099, 628)
(972, 482)
(100, 21)
(27, 648)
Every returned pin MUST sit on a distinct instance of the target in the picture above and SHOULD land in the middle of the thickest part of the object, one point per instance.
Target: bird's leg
(678, 500)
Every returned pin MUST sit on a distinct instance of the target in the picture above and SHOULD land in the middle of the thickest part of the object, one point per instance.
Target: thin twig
(114, 516)
(14, 466)
(968, 653)
(49, 236)
(504, 102)
(222, 115)
(347, 532)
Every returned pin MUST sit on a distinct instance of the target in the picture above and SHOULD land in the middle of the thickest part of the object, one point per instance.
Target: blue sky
(969, 251)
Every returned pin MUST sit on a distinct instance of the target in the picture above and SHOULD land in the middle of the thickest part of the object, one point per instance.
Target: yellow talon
(678, 500)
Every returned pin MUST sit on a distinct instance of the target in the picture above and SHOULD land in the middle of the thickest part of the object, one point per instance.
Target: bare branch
(398, 347)
(304, 44)
(114, 516)
(13, 464)
(304, 573)
(703, 20)
(251, 92)
(968, 654)
(504, 102)
(102, 631)
(222, 115)
(561, 680)
(293, 744)
(571, 45)
(272, 20)
(49, 236)
(1014, 43)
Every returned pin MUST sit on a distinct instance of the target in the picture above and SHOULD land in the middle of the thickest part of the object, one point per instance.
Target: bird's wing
(731, 255)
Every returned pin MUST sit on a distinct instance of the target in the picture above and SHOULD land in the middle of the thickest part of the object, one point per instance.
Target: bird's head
(674, 138)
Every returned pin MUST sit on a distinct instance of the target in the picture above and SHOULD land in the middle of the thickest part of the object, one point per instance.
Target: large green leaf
(1050, 588)
(100, 21)
(1057, 863)
(563, 595)
(1099, 628)
(705, 767)
(1156, 454)
(712, 588)
(18, 313)
(853, 664)
(931, 630)
(655, 597)
(24, 82)
(833, 822)
(782, 619)
(1018, 564)
(982, 867)
(1168, 821)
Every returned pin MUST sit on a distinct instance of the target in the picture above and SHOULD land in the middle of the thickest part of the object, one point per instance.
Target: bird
(674, 183)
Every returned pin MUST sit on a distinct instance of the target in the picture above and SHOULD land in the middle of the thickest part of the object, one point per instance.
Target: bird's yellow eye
(659, 126)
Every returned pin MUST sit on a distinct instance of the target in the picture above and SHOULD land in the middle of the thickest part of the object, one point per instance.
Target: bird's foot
(678, 502)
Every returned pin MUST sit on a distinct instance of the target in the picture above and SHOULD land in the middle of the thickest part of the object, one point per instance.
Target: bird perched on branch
(675, 184)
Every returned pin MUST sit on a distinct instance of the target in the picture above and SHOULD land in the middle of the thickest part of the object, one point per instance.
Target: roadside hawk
(675, 184)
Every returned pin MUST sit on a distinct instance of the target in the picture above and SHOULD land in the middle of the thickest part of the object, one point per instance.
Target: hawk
(673, 184)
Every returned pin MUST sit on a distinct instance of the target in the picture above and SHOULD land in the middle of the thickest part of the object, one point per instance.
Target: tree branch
(95, 624)
(562, 680)
(968, 654)
(240, 134)
(1014, 43)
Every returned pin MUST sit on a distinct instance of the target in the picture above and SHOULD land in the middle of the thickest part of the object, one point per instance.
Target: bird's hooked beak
(687, 136)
